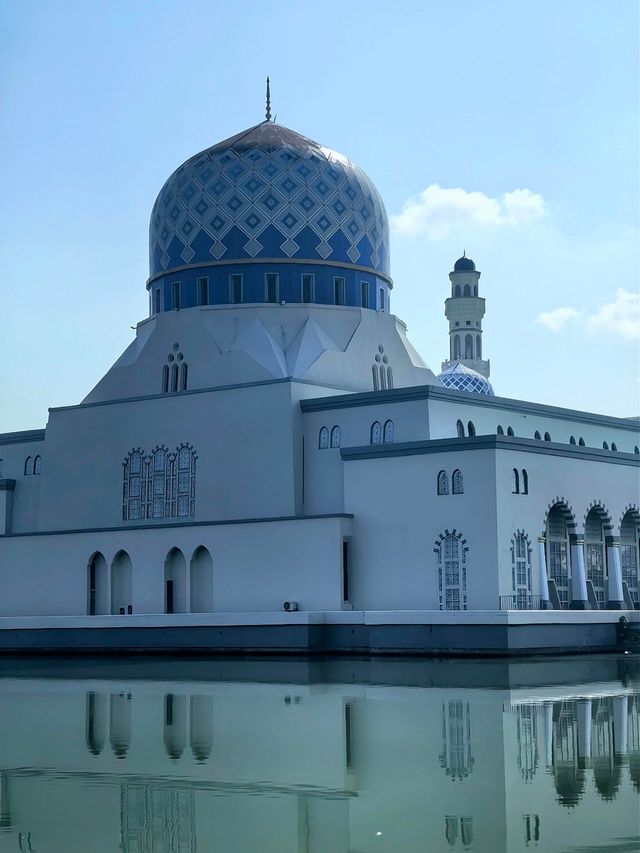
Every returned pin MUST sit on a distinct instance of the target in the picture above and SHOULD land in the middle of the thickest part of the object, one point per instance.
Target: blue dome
(268, 193)
(462, 378)
(464, 264)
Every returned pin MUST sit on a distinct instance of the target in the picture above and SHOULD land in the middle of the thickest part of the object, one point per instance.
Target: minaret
(464, 310)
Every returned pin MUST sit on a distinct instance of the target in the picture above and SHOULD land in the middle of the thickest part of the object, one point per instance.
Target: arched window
(201, 581)
(594, 553)
(547, 437)
(175, 725)
(452, 571)
(460, 429)
(572, 439)
(457, 482)
(336, 436)
(120, 723)
(457, 292)
(165, 379)
(323, 438)
(478, 346)
(515, 482)
(471, 428)
(537, 435)
(630, 553)
(456, 347)
(97, 582)
(614, 446)
(132, 496)
(443, 483)
(521, 571)
(184, 375)
(581, 442)
(475, 289)
(468, 346)
(509, 430)
(557, 531)
(376, 432)
(174, 377)
(387, 436)
(383, 379)
(28, 467)
(161, 485)
(467, 290)
(186, 491)
(500, 431)
(525, 482)
(605, 446)
(37, 465)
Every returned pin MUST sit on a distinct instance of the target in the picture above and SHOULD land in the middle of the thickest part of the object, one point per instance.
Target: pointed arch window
(376, 382)
(184, 376)
(37, 465)
(572, 439)
(510, 431)
(452, 571)
(457, 482)
(467, 290)
(387, 435)
(443, 483)
(581, 442)
(605, 446)
(160, 485)
(456, 347)
(547, 437)
(336, 436)
(525, 482)
(500, 430)
(468, 346)
(323, 438)
(376, 433)
(175, 372)
(165, 379)
(471, 428)
(28, 467)
(460, 429)
(515, 482)
(537, 435)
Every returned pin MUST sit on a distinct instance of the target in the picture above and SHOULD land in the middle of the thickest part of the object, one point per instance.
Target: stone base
(616, 605)
(579, 605)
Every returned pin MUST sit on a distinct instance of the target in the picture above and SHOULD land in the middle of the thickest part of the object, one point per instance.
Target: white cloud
(436, 211)
(557, 319)
(620, 317)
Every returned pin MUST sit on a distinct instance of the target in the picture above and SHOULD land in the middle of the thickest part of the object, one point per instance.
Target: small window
(184, 376)
(27, 466)
(460, 429)
(537, 435)
(525, 482)
(581, 442)
(323, 438)
(467, 322)
(271, 287)
(376, 432)
(203, 291)
(614, 446)
(475, 289)
(175, 295)
(174, 377)
(338, 290)
(381, 298)
(572, 439)
(547, 437)
(509, 431)
(387, 436)
(471, 428)
(345, 570)
(605, 446)
(165, 379)
(37, 465)
(364, 294)
(457, 292)
(308, 287)
(336, 436)
(457, 482)
(636, 449)
(500, 431)
(157, 298)
(443, 483)
(515, 482)
(467, 290)
(235, 289)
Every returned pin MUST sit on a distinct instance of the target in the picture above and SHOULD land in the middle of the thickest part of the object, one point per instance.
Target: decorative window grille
(558, 554)
(387, 436)
(451, 550)
(336, 436)
(376, 433)
(521, 571)
(443, 483)
(629, 536)
(594, 556)
(160, 485)
(176, 370)
(456, 757)
(323, 438)
(527, 739)
(457, 482)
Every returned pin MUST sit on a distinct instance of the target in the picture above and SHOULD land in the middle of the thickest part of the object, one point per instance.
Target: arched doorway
(630, 554)
(595, 552)
(175, 582)
(201, 581)
(121, 584)
(97, 585)
(560, 522)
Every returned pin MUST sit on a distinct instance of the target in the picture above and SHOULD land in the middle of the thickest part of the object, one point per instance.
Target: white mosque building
(271, 464)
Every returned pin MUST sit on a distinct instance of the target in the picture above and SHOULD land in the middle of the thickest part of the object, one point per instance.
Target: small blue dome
(464, 264)
(462, 378)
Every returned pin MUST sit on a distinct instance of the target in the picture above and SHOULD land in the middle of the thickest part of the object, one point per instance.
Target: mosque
(270, 464)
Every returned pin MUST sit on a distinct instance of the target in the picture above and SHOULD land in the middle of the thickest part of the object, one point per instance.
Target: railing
(522, 602)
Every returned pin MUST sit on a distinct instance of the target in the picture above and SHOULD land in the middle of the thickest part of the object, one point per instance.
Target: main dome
(268, 193)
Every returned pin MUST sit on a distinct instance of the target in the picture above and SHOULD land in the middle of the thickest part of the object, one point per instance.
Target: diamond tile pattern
(462, 378)
(266, 178)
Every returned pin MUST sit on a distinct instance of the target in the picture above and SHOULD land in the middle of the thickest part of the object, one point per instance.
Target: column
(584, 732)
(543, 576)
(579, 597)
(614, 568)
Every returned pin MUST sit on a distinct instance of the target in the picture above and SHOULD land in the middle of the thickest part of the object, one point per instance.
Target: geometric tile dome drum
(462, 378)
(268, 192)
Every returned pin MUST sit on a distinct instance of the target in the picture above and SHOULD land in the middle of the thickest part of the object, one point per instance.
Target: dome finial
(268, 110)
(464, 253)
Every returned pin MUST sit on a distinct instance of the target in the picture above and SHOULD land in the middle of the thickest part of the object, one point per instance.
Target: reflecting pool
(320, 756)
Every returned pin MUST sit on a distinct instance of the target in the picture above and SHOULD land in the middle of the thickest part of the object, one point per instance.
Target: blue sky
(451, 106)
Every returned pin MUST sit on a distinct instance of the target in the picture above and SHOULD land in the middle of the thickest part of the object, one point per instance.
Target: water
(339, 756)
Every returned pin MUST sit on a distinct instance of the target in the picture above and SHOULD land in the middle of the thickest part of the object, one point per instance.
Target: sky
(507, 129)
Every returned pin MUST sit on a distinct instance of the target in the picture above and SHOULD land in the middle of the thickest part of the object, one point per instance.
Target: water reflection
(323, 758)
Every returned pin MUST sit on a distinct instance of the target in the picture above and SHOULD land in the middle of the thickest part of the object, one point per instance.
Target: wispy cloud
(557, 319)
(620, 317)
(436, 211)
